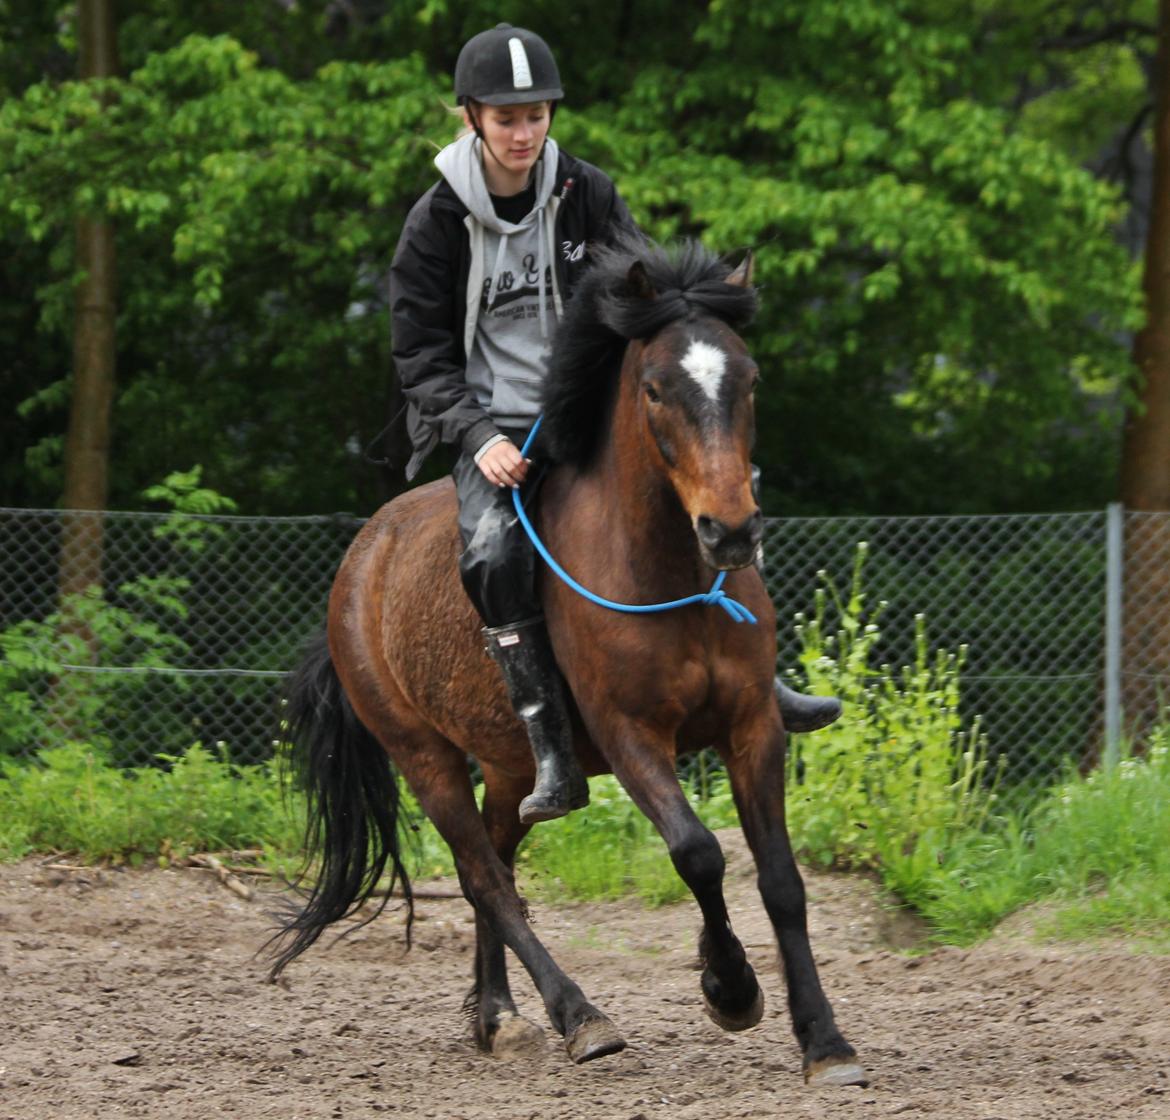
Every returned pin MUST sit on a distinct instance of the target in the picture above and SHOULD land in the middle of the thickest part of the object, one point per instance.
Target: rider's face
(514, 133)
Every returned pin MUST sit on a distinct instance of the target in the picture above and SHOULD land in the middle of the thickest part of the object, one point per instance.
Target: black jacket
(428, 298)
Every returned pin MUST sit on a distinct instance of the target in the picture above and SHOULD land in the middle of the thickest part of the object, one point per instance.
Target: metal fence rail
(1065, 617)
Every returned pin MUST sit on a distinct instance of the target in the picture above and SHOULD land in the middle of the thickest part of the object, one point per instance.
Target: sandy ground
(137, 993)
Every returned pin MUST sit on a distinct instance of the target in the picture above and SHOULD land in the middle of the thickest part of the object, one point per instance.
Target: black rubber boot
(801, 712)
(525, 658)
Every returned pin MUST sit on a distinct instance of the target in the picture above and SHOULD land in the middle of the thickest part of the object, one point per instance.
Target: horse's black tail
(353, 812)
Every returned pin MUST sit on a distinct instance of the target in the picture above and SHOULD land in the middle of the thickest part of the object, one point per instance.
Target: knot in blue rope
(717, 597)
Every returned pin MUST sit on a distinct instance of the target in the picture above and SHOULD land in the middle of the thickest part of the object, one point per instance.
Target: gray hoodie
(513, 303)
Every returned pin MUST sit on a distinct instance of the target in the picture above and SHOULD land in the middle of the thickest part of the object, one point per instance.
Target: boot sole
(534, 814)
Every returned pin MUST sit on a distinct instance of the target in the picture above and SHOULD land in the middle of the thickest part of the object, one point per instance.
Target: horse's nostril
(710, 530)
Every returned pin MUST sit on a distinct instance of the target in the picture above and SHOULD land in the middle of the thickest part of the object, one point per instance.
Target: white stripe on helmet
(521, 71)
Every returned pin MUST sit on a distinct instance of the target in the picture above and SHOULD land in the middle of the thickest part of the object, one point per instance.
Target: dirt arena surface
(136, 993)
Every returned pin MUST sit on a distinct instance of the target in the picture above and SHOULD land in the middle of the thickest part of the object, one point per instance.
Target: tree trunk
(87, 440)
(1145, 465)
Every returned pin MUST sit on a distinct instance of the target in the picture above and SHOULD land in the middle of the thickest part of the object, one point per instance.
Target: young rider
(486, 260)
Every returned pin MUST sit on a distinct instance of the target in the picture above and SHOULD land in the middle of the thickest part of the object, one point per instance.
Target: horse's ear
(742, 276)
(639, 282)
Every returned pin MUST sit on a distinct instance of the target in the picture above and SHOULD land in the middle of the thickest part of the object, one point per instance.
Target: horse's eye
(754, 383)
(652, 394)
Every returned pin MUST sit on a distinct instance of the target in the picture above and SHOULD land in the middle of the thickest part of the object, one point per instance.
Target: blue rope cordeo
(715, 597)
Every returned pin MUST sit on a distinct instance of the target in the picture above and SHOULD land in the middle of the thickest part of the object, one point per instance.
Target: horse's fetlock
(730, 988)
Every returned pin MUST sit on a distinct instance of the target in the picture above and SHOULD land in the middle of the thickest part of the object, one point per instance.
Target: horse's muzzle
(725, 547)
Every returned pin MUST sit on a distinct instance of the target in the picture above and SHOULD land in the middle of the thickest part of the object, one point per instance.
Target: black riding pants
(498, 562)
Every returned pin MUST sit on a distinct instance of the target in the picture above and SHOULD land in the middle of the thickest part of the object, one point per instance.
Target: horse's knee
(698, 859)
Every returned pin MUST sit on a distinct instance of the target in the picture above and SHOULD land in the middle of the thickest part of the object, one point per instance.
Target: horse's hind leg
(443, 787)
(757, 778)
(499, 1027)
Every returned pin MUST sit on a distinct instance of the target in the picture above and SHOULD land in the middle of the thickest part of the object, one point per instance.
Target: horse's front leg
(755, 765)
(643, 762)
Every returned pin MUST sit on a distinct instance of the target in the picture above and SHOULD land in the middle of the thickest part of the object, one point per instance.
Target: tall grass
(899, 786)
(72, 799)
(1095, 850)
(897, 782)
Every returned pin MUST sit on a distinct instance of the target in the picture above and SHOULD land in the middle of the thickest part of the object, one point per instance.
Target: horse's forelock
(607, 312)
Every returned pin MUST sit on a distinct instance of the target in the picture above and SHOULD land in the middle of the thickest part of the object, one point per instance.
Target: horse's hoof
(736, 1020)
(829, 1073)
(594, 1039)
(516, 1037)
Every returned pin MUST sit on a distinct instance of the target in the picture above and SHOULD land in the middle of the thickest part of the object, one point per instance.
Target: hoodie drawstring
(541, 269)
(493, 279)
(549, 217)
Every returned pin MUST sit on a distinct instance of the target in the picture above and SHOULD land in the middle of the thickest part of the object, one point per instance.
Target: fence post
(1114, 563)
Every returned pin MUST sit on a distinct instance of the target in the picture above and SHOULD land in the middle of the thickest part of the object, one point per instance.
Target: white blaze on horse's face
(707, 365)
(697, 386)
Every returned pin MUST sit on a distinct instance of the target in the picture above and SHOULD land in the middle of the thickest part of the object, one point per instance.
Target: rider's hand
(503, 465)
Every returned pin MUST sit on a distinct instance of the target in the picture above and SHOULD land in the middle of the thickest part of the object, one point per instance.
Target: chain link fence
(1065, 619)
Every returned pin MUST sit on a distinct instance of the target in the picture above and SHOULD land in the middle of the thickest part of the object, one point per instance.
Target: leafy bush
(47, 697)
(897, 781)
(50, 693)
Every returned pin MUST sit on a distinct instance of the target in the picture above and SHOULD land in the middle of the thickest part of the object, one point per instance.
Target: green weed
(71, 799)
(1094, 849)
(897, 782)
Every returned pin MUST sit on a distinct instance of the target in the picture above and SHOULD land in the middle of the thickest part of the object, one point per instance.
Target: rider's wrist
(477, 435)
(500, 438)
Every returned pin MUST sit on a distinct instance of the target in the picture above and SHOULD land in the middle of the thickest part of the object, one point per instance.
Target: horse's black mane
(606, 312)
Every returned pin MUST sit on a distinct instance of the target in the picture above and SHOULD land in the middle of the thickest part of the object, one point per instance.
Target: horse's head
(693, 383)
(666, 319)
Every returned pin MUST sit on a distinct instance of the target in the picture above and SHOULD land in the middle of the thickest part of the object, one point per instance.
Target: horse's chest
(705, 728)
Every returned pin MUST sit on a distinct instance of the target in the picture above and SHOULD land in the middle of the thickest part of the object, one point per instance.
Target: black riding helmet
(506, 66)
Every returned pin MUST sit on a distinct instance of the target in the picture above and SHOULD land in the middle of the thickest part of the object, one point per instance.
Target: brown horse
(649, 422)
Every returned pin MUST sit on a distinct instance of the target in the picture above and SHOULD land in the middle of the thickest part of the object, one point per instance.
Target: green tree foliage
(253, 213)
(942, 292)
(944, 300)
